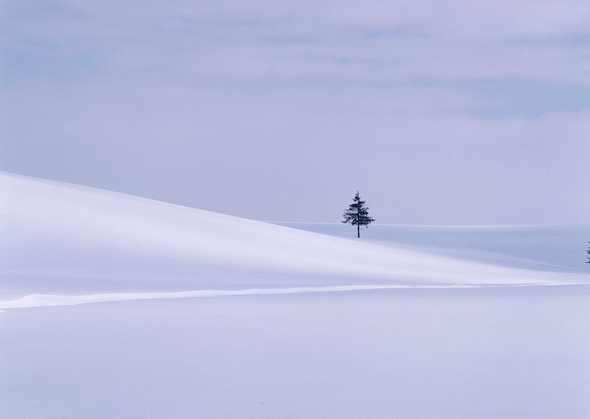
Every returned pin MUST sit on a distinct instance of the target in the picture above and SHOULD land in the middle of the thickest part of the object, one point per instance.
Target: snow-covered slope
(558, 248)
(343, 346)
(59, 238)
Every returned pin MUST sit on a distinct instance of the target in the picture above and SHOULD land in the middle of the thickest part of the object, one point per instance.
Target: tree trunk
(358, 225)
(358, 222)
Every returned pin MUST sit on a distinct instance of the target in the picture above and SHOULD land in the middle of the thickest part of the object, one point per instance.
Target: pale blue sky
(438, 111)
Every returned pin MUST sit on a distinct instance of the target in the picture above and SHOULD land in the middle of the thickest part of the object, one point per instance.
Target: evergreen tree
(357, 214)
(588, 252)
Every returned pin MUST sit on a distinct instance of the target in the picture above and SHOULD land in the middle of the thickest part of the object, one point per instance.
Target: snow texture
(254, 320)
(65, 239)
(498, 353)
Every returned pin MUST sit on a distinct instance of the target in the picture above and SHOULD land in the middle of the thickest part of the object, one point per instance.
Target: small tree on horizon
(357, 214)
(588, 253)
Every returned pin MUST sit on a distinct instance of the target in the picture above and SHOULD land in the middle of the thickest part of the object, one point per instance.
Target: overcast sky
(439, 112)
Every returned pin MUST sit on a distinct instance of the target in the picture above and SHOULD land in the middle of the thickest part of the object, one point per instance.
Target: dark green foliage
(357, 214)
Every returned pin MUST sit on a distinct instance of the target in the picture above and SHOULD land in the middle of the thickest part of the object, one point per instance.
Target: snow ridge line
(52, 300)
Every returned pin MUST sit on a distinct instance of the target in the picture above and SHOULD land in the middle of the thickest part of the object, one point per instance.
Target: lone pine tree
(357, 214)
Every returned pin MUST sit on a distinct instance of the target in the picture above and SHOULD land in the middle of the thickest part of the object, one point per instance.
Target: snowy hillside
(559, 248)
(62, 238)
(314, 333)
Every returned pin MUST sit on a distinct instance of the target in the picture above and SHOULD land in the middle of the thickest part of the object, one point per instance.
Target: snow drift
(63, 238)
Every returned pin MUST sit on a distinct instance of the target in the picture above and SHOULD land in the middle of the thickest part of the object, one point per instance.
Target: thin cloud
(440, 107)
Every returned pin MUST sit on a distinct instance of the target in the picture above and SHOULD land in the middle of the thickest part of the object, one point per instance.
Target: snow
(411, 354)
(559, 248)
(67, 239)
(41, 300)
(202, 315)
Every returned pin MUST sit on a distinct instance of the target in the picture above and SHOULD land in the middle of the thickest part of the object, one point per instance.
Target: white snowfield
(41, 300)
(244, 319)
(64, 244)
